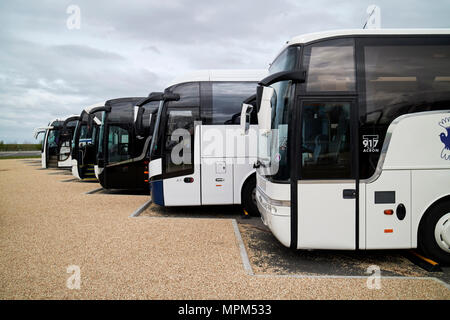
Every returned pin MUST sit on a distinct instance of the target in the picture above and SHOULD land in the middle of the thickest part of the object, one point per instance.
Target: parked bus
(198, 154)
(55, 151)
(84, 143)
(122, 152)
(354, 141)
(67, 133)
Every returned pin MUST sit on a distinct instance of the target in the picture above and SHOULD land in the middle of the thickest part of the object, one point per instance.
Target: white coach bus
(55, 151)
(198, 154)
(354, 141)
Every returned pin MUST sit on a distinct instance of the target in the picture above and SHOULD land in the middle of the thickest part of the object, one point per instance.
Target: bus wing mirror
(297, 76)
(138, 120)
(245, 117)
(90, 121)
(170, 96)
(154, 96)
(267, 94)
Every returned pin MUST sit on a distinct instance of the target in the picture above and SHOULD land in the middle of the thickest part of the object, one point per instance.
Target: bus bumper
(157, 192)
(75, 169)
(275, 217)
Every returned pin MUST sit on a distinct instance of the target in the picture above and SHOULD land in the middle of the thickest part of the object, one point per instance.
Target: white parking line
(141, 209)
(244, 256)
(94, 191)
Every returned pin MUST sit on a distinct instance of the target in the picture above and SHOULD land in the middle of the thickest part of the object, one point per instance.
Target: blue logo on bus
(445, 138)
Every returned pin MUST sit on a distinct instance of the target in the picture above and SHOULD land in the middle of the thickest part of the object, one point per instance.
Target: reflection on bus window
(179, 124)
(83, 135)
(227, 100)
(401, 78)
(118, 144)
(52, 139)
(331, 66)
(326, 141)
(280, 120)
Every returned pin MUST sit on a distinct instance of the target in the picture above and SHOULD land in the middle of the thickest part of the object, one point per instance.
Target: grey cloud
(134, 47)
(85, 52)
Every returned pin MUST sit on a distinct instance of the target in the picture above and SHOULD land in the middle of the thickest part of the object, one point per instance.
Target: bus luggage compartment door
(388, 211)
(217, 181)
(326, 216)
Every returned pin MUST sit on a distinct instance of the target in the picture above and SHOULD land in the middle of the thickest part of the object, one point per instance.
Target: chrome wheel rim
(442, 232)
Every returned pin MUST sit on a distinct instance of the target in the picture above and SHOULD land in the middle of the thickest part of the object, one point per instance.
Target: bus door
(181, 157)
(120, 171)
(326, 188)
(64, 148)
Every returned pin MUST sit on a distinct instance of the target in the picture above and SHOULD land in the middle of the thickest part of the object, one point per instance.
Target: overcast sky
(130, 48)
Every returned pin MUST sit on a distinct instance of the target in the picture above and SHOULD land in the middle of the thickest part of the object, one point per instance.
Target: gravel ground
(47, 225)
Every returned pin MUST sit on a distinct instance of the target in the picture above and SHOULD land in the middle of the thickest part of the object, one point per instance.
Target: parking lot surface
(48, 224)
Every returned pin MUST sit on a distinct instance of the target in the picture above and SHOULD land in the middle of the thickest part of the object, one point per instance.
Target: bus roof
(95, 105)
(310, 37)
(61, 119)
(221, 75)
(323, 35)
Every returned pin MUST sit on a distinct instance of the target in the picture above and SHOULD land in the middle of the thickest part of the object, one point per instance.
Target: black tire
(427, 241)
(248, 197)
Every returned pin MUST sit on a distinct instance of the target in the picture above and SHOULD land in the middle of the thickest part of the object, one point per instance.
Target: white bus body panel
(223, 161)
(66, 163)
(44, 152)
(97, 171)
(179, 193)
(227, 158)
(413, 164)
(325, 219)
(387, 231)
(275, 214)
(414, 168)
(217, 181)
(75, 172)
(155, 168)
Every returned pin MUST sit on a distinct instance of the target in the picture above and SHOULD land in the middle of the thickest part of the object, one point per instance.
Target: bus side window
(227, 100)
(118, 144)
(405, 76)
(179, 140)
(178, 135)
(331, 66)
(326, 141)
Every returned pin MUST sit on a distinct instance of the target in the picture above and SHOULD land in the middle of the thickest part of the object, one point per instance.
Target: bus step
(423, 262)
(89, 179)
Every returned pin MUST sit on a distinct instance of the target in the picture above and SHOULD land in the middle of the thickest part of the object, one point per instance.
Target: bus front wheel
(248, 196)
(434, 237)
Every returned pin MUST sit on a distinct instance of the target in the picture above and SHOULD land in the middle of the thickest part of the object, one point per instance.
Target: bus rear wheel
(248, 197)
(434, 237)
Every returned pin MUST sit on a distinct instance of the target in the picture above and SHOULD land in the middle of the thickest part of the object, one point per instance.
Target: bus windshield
(277, 140)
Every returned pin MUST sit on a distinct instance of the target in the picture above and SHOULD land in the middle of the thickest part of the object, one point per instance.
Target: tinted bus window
(118, 144)
(326, 141)
(178, 138)
(227, 98)
(330, 66)
(52, 140)
(287, 60)
(403, 77)
(281, 106)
